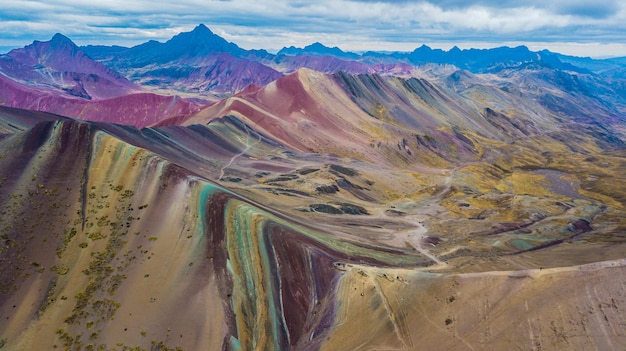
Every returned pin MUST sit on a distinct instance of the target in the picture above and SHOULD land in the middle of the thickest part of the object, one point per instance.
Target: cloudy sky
(594, 28)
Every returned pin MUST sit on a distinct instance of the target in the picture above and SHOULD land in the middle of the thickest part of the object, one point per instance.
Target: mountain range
(204, 68)
(194, 195)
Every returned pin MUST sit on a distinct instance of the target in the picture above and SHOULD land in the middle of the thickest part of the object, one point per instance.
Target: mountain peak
(202, 29)
(422, 49)
(199, 33)
(59, 38)
(199, 42)
(316, 45)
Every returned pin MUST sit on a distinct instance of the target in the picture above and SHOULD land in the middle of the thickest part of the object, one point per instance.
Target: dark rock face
(580, 226)
(325, 209)
(353, 209)
(343, 170)
(327, 189)
(305, 171)
(78, 90)
(344, 184)
(283, 178)
(232, 179)
(395, 213)
(342, 209)
(431, 240)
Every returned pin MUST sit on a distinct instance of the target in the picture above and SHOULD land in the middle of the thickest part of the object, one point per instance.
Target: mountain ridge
(317, 48)
(316, 56)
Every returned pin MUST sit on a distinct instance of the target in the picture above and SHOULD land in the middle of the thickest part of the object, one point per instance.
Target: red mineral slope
(139, 110)
(294, 106)
(371, 118)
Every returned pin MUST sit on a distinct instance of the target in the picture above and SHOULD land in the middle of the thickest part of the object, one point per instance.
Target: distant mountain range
(317, 49)
(194, 56)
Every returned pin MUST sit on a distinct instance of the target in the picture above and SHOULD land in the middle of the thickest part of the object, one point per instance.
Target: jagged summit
(201, 28)
(59, 38)
(484, 60)
(195, 45)
(200, 32)
(201, 41)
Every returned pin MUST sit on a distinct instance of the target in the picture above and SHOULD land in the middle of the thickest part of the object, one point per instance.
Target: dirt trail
(232, 159)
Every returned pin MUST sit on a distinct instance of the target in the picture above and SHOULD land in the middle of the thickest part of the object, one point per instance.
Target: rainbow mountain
(193, 195)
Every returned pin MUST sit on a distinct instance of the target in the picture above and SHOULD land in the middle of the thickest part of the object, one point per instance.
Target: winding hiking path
(232, 159)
